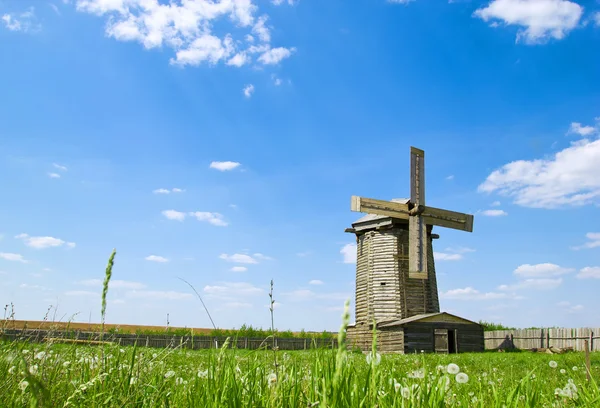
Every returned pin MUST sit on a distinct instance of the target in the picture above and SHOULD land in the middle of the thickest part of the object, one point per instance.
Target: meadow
(58, 375)
(53, 374)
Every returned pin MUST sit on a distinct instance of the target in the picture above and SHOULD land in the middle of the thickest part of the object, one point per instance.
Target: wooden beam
(417, 248)
(448, 219)
(379, 207)
(417, 176)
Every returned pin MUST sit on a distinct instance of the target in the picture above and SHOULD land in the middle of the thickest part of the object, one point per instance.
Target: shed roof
(432, 317)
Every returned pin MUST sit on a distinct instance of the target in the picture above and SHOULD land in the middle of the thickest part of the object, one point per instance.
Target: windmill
(417, 214)
(395, 269)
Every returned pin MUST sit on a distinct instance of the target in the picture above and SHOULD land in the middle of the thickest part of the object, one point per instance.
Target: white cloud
(33, 287)
(248, 90)
(262, 257)
(534, 284)
(239, 59)
(275, 55)
(349, 253)
(566, 306)
(539, 20)
(232, 290)
(441, 256)
(280, 2)
(113, 284)
(594, 241)
(276, 81)
(541, 270)
(161, 191)
(400, 1)
(12, 257)
(177, 190)
(315, 282)
(495, 204)
(53, 175)
(184, 26)
(43, 242)
(570, 178)
(494, 213)
(239, 269)
(580, 130)
(24, 22)
(238, 258)
(303, 254)
(596, 17)
(238, 305)
(174, 215)
(59, 166)
(224, 166)
(158, 295)
(156, 258)
(470, 293)
(213, 218)
(589, 272)
(460, 250)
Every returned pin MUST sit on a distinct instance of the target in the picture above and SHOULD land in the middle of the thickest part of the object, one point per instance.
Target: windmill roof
(374, 217)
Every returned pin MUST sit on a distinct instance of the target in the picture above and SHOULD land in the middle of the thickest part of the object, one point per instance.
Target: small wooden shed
(440, 332)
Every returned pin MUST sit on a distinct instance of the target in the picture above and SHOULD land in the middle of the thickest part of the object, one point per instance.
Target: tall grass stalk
(107, 276)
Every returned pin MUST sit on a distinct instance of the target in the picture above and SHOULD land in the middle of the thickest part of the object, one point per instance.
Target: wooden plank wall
(543, 338)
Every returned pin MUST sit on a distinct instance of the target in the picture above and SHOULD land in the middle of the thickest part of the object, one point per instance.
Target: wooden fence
(543, 338)
(159, 341)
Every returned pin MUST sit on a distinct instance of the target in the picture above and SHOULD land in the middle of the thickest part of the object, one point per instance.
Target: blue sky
(221, 142)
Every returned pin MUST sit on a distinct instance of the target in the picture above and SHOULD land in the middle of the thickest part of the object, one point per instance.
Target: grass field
(57, 375)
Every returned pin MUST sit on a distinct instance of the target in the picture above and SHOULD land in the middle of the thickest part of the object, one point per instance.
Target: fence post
(547, 338)
(147, 341)
(305, 344)
(591, 340)
(246, 342)
(587, 360)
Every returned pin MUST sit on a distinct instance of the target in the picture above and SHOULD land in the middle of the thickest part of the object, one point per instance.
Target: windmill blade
(380, 207)
(417, 176)
(417, 248)
(448, 219)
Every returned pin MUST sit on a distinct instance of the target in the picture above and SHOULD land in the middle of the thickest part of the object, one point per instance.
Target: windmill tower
(395, 269)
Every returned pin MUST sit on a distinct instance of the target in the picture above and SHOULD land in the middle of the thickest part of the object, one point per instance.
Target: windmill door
(440, 338)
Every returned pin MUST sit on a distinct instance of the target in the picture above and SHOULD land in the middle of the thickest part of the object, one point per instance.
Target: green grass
(55, 375)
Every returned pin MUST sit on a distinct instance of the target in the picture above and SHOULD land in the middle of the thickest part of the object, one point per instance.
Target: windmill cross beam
(417, 213)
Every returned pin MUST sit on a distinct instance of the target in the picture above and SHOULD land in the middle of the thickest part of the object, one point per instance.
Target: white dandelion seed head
(23, 385)
(169, 374)
(453, 368)
(553, 364)
(462, 378)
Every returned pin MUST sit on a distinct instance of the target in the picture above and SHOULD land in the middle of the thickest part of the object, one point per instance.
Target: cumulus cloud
(541, 270)
(537, 20)
(493, 213)
(442, 256)
(174, 215)
(53, 175)
(167, 191)
(239, 269)
(238, 258)
(248, 90)
(8, 256)
(212, 218)
(315, 282)
(589, 272)
(224, 165)
(185, 26)
(156, 258)
(568, 179)
(348, 251)
(232, 290)
(43, 242)
(593, 241)
(569, 308)
(470, 293)
(534, 284)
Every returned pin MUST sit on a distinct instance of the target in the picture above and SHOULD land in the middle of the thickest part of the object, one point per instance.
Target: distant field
(152, 330)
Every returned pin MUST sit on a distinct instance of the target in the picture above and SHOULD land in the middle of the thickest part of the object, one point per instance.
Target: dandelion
(179, 381)
(563, 371)
(203, 374)
(23, 385)
(66, 364)
(40, 355)
(405, 393)
(12, 370)
(453, 368)
(121, 351)
(132, 380)
(272, 378)
(462, 378)
(575, 368)
(169, 374)
(25, 351)
(420, 373)
(397, 385)
(375, 360)
(154, 355)
(553, 364)
(33, 369)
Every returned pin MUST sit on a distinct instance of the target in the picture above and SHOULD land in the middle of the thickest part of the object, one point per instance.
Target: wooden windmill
(395, 270)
